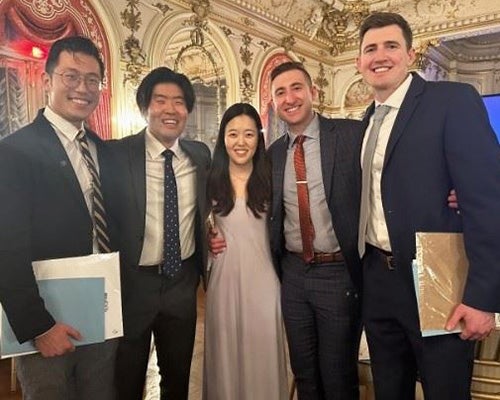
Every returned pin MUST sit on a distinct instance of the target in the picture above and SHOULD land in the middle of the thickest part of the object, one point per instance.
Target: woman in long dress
(244, 336)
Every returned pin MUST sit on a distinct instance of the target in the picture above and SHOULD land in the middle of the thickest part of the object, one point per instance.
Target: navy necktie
(171, 241)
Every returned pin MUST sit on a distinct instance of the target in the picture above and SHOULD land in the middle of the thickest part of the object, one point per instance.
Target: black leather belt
(387, 256)
(156, 267)
(324, 258)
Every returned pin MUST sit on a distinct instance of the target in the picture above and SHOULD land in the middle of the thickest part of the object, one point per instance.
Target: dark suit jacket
(340, 143)
(131, 208)
(441, 140)
(43, 215)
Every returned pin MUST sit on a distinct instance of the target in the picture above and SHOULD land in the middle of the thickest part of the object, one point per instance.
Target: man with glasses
(73, 79)
(50, 173)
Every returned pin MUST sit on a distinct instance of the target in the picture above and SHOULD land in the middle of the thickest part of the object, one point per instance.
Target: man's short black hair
(73, 44)
(290, 66)
(164, 75)
(383, 19)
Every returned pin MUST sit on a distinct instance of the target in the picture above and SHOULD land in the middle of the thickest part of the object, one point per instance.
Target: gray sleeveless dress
(244, 335)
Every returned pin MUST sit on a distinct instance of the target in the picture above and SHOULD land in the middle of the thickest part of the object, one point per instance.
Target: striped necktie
(98, 212)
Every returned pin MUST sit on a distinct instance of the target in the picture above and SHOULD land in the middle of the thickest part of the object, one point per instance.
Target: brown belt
(323, 258)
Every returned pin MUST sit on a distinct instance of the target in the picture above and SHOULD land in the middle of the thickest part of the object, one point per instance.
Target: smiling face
(384, 60)
(167, 113)
(241, 139)
(293, 99)
(73, 104)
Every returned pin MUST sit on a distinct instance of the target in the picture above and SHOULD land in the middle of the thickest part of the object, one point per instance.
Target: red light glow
(29, 49)
(37, 52)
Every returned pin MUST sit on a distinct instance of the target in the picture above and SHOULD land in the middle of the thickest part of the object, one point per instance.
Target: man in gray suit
(319, 295)
(162, 187)
(48, 211)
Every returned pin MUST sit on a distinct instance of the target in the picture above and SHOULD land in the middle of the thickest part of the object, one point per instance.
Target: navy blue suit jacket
(43, 215)
(340, 143)
(441, 140)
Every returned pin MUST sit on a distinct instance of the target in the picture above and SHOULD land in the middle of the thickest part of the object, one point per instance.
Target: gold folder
(441, 273)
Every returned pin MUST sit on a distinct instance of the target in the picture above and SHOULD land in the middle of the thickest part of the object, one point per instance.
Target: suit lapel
(53, 149)
(366, 117)
(327, 138)
(137, 157)
(201, 171)
(408, 106)
(278, 171)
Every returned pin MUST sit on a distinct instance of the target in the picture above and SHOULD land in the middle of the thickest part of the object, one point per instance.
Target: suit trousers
(321, 311)
(85, 374)
(172, 302)
(399, 354)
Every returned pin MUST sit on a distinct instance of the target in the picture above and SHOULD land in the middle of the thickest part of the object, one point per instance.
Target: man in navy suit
(435, 136)
(47, 212)
(156, 302)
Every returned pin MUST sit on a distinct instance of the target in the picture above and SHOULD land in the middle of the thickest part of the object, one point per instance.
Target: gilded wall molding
(321, 83)
(131, 50)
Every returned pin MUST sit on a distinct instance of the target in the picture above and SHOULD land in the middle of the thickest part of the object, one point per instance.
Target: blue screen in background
(493, 106)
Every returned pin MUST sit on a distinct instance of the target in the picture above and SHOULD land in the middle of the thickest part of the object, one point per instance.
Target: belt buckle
(321, 258)
(390, 263)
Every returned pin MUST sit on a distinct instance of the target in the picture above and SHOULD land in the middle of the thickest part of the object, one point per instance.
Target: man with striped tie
(54, 181)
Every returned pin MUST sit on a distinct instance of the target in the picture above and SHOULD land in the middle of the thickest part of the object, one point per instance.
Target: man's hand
(216, 243)
(56, 341)
(477, 324)
(452, 200)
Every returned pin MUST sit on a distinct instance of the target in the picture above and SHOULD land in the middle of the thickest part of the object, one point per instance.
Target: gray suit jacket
(340, 143)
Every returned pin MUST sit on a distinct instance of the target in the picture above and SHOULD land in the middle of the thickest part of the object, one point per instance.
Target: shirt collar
(396, 98)
(311, 131)
(66, 128)
(155, 148)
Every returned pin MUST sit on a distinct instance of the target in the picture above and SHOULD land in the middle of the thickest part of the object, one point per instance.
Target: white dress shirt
(66, 132)
(376, 231)
(185, 177)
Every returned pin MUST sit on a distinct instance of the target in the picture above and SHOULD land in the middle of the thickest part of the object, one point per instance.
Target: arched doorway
(269, 121)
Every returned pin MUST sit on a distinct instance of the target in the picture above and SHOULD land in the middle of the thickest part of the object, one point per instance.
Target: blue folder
(78, 302)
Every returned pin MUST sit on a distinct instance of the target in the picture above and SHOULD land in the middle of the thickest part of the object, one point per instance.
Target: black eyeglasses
(72, 80)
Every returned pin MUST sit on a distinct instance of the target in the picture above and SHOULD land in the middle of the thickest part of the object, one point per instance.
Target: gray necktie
(379, 115)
